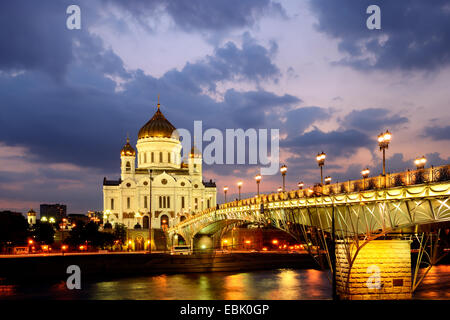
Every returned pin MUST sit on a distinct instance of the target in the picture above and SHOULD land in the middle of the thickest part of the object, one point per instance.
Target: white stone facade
(177, 188)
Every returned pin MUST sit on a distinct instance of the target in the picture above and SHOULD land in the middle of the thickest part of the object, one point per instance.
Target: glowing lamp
(420, 162)
(365, 173)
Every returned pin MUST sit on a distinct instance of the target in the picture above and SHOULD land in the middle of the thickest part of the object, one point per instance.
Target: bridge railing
(405, 178)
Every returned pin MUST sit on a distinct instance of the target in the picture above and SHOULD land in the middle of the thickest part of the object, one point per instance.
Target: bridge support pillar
(381, 270)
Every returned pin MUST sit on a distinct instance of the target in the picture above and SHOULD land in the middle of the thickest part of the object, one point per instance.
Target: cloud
(83, 119)
(398, 163)
(29, 183)
(34, 37)
(437, 133)
(298, 120)
(414, 34)
(228, 63)
(372, 119)
(337, 142)
(258, 107)
(202, 15)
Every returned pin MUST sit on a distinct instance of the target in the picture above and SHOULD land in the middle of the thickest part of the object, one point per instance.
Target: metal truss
(360, 217)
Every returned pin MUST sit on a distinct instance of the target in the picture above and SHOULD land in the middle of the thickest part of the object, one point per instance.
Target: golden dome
(157, 126)
(31, 213)
(128, 150)
(195, 152)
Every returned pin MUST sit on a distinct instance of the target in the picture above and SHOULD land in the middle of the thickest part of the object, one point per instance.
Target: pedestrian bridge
(338, 223)
(362, 208)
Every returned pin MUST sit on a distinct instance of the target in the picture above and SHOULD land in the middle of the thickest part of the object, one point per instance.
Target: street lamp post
(333, 254)
(420, 162)
(258, 178)
(365, 175)
(321, 161)
(225, 189)
(232, 238)
(239, 187)
(283, 171)
(150, 171)
(383, 142)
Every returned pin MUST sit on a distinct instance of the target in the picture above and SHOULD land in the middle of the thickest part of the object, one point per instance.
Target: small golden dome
(157, 126)
(195, 152)
(31, 213)
(128, 150)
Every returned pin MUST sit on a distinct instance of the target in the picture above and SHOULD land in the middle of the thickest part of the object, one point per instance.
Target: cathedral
(161, 190)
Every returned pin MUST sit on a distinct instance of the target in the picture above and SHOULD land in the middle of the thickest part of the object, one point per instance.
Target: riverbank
(42, 268)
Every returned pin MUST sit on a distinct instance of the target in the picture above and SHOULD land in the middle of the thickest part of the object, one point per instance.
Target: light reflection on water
(436, 285)
(281, 284)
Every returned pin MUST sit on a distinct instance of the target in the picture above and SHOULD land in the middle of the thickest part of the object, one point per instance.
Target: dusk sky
(312, 69)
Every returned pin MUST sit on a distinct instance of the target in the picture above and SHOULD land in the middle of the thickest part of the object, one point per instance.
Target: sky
(310, 68)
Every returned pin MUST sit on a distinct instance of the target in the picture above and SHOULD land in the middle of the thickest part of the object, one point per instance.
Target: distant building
(96, 216)
(57, 211)
(75, 218)
(31, 217)
(178, 189)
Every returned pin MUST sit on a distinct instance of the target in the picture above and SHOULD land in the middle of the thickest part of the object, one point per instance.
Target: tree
(76, 236)
(89, 233)
(13, 229)
(120, 232)
(44, 232)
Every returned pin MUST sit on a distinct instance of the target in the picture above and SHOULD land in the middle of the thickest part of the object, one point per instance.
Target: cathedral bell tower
(195, 162)
(128, 161)
(31, 215)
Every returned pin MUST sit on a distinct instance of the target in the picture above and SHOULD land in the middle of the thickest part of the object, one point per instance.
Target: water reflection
(436, 285)
(281, 284)
(234, 287)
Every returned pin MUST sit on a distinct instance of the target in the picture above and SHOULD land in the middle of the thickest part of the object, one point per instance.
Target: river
(280, 284)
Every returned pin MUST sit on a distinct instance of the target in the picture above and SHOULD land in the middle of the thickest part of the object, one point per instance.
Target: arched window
(164, 222)
(160, 157)
(145, 157)
(128, 166)
(168, 157)
(128, 203)
(153, 157)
